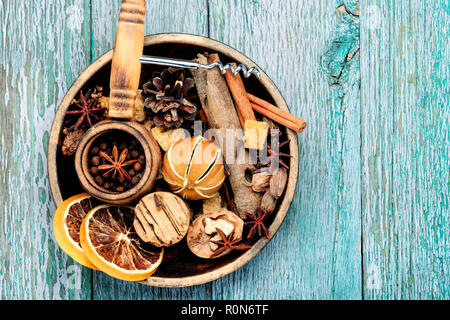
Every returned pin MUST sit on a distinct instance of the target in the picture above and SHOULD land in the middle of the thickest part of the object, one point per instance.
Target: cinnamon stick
(276, 114)
(222, 116)
(241, 100)
(279, 119)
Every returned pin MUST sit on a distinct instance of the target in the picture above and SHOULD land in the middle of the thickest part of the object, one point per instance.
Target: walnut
(71, 141)
(203, 230)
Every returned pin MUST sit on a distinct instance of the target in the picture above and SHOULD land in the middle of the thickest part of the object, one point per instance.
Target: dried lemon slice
(110, 242)
(66, 226)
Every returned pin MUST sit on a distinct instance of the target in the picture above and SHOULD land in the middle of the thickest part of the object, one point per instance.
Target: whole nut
(162, 219)
(95, 161)
(202, 232)
(260, 181)
(268, 202)
(278, 182)
(137, 167)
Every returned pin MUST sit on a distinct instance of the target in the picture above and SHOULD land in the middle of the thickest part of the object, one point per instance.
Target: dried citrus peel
(66, 226)
(108, 238)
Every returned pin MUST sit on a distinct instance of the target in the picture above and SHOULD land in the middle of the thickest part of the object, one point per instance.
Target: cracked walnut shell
(203, 231)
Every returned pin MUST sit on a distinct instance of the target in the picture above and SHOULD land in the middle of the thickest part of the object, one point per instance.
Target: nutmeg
(193, 168)
(278, 182)
(260, 181)
(162, 219)
(203, 231)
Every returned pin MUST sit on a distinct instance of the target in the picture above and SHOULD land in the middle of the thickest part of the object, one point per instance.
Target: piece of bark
(223, 118)
(162, 219)
(241, 99)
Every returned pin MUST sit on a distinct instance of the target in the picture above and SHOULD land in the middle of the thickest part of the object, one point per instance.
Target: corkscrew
(179, 63)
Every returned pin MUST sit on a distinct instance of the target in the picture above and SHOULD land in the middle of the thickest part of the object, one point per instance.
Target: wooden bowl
(180, 268)
(152, 161)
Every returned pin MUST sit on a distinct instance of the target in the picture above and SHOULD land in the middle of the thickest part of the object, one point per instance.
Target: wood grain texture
(43, 47)
(405, 116)
(316, 254)
(126, 67)
(371, 216)
(189, 16)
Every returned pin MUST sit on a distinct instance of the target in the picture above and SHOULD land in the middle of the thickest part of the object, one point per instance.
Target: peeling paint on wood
(316, 253)
(40, 56)
(405, 67)
(371, 216)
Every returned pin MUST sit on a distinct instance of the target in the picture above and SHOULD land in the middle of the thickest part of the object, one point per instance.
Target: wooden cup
(152, 161)
(124, 83)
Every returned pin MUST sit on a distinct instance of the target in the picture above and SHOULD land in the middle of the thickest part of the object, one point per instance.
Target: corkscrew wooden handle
(126, 67)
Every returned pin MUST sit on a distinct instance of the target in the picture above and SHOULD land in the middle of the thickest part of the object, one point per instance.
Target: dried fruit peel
(100, 229)
(193, 168)
(70, 244)
(255, 134)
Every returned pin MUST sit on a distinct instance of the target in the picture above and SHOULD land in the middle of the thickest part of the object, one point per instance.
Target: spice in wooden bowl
(116, 162)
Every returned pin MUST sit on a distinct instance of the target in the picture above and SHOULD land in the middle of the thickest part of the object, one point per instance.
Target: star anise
(166, 97)
(273, 158)
(117, 164)
(258, 223)
(88, 108)
(228, 243)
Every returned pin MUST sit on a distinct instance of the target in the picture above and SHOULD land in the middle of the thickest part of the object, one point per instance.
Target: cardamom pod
(260, 181)
(268, 202)
(278, 182)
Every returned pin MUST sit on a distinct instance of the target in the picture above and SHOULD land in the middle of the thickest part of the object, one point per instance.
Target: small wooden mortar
(124, 83)
(151, 153)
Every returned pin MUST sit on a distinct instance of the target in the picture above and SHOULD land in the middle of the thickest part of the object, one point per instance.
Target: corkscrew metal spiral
(179, 63)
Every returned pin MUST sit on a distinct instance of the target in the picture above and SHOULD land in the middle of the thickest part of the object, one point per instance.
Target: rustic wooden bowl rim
(216, 46)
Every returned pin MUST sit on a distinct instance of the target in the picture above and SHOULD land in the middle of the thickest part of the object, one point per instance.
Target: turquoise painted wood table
(370, 219)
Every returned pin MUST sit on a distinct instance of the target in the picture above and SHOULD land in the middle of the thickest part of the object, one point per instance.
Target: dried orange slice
(109, 240)
(66, 226)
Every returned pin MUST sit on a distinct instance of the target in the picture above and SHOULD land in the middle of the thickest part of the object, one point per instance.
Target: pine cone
(165, 97)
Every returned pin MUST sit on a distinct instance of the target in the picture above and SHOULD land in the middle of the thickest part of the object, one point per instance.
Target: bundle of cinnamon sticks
(247, 103)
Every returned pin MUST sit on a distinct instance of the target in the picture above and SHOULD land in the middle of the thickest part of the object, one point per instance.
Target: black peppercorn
(94, 150)
(137, 167)
(135, 154)
(95, 160)
(99, 180)
(135, 180)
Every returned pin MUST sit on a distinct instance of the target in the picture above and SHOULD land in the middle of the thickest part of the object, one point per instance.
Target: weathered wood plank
(188, 16)
(405, 117)
(43, 47)
(310, 50)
